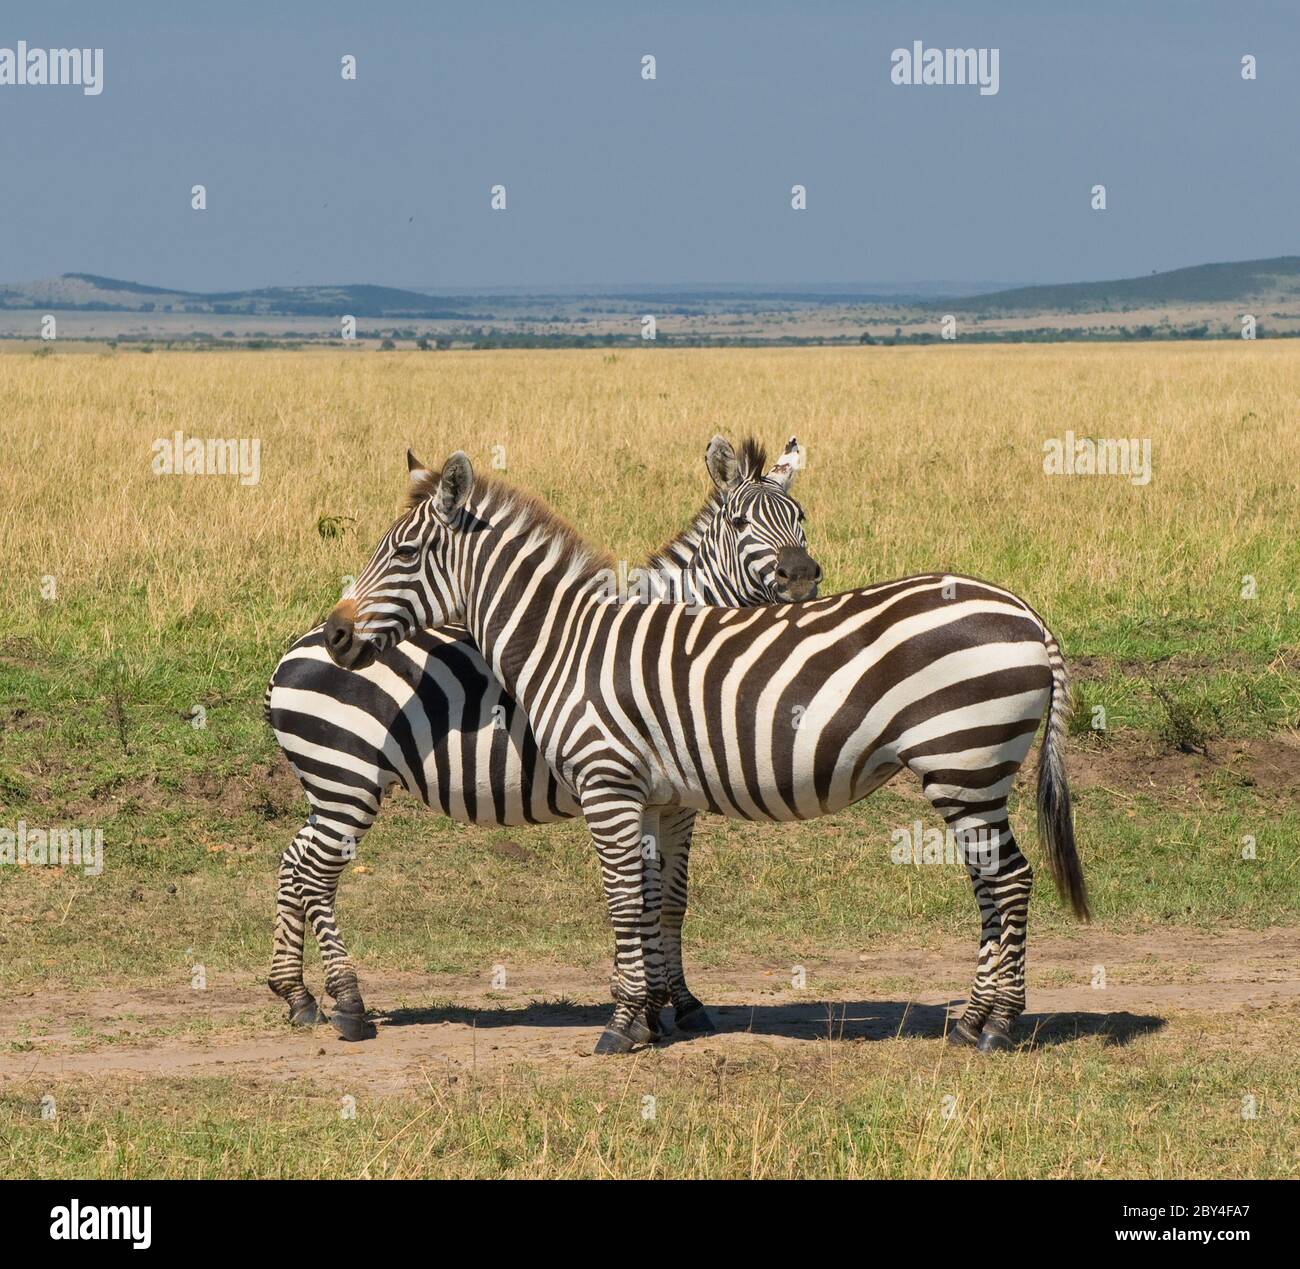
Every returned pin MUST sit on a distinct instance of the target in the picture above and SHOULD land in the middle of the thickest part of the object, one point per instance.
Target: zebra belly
(428, 715)
(780, 804)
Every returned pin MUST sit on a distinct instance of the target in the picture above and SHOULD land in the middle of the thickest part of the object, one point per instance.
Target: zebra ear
(456, 481)
(720, 459)
(783, 470)
(419, 473)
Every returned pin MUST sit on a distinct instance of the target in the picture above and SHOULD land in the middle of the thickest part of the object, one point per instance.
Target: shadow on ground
(838, 1020)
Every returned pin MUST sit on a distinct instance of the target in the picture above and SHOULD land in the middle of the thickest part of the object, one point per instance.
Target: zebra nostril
(338, 635)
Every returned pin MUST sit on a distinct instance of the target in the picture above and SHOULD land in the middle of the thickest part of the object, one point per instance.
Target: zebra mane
(577, 554)
(536, 519)
(752, 459)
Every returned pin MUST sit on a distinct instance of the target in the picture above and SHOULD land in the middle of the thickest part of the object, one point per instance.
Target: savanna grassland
(1161, 1039)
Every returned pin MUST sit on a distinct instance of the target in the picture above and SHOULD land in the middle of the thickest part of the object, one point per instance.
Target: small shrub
(1188, 720)
(1085, 699)
(333, 526)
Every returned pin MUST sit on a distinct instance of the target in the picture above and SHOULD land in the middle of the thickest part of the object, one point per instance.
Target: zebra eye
(739, 522)
(407, 551)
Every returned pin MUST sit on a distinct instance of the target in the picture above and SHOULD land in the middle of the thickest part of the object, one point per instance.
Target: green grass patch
(1210, 1098)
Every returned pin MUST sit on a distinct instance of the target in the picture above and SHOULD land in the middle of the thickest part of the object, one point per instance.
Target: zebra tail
(1055, 821)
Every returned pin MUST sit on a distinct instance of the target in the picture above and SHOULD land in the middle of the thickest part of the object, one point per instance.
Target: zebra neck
(689, 579)
(687, 568)
(531, 645)
(530, 591)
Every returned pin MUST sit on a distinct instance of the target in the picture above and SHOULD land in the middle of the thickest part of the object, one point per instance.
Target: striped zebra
(780, 712)
(428, 714)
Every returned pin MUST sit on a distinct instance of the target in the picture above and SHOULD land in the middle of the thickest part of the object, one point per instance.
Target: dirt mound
(1270, 765)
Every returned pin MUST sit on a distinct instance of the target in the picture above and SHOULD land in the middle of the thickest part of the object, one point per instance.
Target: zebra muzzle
(797, 575)
(345, 648)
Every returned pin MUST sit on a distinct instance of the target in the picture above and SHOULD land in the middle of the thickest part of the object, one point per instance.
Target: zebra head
(755, 542)
(412, 579)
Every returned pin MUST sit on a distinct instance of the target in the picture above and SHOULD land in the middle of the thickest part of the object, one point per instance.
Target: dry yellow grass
(918, 458)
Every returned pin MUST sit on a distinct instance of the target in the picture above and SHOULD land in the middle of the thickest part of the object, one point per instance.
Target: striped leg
(1001, 877)
(336, 848)
(290, 925)
(675, 827)
(1009, 887)
(968, 786)
(630, 871)
(309, 875)
(983, 992)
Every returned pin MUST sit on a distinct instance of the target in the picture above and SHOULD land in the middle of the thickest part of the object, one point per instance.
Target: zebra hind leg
(966, 777)
(332, 848)
(1002, 878)
(676, 827)
(348, 1017)
(1009, 880)
(973, 804)
(286, 979)
(967, 1031)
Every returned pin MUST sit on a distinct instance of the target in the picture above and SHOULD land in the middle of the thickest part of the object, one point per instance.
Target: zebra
(430, 716)
(781, 712)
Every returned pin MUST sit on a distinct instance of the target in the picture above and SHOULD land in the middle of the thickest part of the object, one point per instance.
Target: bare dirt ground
(434, 1027)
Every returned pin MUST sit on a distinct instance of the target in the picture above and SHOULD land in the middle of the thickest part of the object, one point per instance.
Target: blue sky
(611, 179)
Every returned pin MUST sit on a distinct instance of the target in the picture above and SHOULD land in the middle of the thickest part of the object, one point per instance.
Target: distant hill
(1206, 301)
(1256, 280)
(726, 292)
(90, 293)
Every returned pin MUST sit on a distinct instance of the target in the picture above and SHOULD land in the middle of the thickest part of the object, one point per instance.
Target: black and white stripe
(430, 716)
(646, 708)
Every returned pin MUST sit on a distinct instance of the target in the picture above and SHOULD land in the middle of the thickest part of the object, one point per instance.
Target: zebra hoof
(307, 1014)
(696, 1020)
(656, 1026)
(995, 1038)
(612, 1041)
(353, 1026)
(960, 1036)
(639, 1033)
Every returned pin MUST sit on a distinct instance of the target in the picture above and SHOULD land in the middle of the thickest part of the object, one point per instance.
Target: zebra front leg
(675, 849)
(652, 848)
(1009, 879)
(290, 929)
(630, 873)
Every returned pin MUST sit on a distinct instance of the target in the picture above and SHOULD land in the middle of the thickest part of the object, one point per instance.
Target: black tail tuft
(1055, 818)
